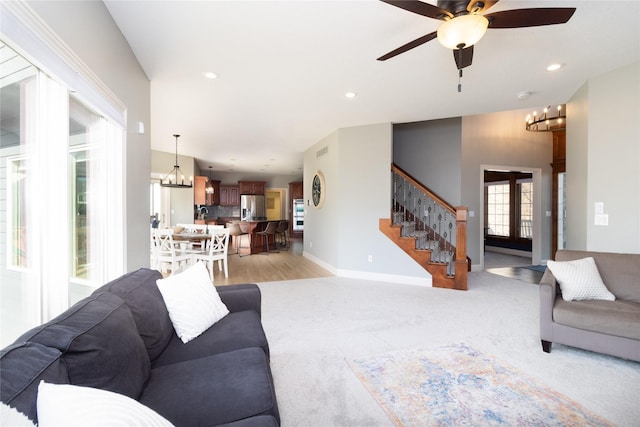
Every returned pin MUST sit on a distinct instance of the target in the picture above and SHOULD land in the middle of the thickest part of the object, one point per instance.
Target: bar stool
(236, 232)
(282, 231)
(269, 230)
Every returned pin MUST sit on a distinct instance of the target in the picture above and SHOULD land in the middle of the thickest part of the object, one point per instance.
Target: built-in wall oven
(298, 214)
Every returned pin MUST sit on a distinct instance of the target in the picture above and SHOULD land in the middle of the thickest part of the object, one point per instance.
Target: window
(524, 189)
(498, 212)
(509, 209)
(61, 187)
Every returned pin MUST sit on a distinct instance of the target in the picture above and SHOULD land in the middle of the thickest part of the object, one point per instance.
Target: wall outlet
(310, 244)
(370, 258)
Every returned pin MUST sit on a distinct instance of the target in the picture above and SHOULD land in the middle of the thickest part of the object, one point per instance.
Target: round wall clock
(318, 189)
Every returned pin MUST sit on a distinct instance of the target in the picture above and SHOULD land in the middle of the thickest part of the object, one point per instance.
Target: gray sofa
(609, 327)
(121, 339)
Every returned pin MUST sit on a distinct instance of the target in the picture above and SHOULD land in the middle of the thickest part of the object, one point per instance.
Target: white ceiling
(284, 66)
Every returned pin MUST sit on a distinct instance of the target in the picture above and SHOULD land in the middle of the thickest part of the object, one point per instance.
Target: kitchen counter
(255, 243)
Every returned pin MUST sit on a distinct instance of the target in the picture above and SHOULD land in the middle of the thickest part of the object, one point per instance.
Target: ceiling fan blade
(417, 42)
(463, 57)
(421, 8)
(480, 6)
(518, 18)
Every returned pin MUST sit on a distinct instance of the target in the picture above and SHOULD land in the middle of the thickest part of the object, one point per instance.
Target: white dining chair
(167, 253)
(216, 251)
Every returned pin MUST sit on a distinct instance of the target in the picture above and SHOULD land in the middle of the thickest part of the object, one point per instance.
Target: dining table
(183, 239)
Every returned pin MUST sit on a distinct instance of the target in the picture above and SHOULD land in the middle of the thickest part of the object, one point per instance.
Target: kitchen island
(254, 243)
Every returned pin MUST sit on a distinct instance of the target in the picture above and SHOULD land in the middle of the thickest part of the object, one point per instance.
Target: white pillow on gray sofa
(192, 301)
(580, 280)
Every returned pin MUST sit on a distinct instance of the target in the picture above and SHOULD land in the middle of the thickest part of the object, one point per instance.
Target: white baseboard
(366, 275)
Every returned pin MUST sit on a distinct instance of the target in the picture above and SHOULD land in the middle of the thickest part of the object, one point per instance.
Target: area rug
(458, 385)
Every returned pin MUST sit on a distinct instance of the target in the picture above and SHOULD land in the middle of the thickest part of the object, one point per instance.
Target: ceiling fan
(464, 24)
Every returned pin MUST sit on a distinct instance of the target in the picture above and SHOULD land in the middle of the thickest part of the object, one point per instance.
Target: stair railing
(436, 225)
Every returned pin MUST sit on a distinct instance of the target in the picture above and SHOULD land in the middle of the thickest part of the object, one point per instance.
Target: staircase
(429, 230)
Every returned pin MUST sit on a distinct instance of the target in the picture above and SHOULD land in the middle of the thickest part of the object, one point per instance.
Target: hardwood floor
(257, 268)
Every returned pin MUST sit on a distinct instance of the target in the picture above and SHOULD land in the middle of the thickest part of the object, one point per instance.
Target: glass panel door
(19, 302)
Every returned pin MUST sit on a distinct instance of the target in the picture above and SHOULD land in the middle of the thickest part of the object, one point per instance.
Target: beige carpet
(315, 325)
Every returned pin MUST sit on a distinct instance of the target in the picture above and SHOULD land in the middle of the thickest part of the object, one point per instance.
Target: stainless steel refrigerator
(252, 208)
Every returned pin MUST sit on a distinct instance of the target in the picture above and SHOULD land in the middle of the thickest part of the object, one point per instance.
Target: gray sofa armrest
(241, 297)
(548, 290)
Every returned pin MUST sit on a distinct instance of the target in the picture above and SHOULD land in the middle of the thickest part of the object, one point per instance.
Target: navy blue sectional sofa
(121, 339)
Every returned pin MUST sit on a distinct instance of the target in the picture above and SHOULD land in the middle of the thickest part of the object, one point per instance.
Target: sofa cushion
(238, 330)
(192, 301)
(100, 344)
(259, 421)
(22, 366)
(619, 318)
(213, 390)
(139, 290)
(580, 280)
(70, 405)
(620, 272)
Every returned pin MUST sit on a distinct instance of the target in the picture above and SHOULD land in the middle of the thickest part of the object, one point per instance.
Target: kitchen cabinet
(214, 198)
(200, 195)
(252, 187)
(229, 195)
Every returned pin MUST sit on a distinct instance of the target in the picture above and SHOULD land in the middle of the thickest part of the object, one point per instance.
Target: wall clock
(318, 189)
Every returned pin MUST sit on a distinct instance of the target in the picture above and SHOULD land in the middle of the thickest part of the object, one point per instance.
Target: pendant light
(210, 189)
(175, 178)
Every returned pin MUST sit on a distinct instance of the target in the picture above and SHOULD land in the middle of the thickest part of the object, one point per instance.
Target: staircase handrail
(408, 177)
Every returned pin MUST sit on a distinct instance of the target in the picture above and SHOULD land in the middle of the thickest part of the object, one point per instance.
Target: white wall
(603, 162)
(345, 231)
(88, 29)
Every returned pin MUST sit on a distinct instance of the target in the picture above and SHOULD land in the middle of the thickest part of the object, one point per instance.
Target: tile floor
(511, 266)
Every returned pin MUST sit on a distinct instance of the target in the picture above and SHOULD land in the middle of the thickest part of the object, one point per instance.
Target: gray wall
(447, 155)
(500, 139)
(345, 231)
(603, 162)
(88, 29)
(431, 151)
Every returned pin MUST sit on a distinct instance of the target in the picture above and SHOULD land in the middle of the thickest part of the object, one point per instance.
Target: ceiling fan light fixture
(462, 31)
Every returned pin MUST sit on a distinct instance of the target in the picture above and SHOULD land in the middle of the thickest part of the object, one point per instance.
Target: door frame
(536, 240)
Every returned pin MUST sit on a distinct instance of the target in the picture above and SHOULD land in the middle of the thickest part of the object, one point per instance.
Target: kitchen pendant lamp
(209, 189)
(175, 178)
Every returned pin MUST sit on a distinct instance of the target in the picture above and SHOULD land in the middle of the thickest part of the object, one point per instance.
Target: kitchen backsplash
(216, 211)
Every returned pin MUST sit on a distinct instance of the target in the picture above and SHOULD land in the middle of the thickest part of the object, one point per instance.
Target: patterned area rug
(457, 385)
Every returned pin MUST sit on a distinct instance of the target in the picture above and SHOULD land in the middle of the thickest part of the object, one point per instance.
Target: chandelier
(547, 122)
(175, 178)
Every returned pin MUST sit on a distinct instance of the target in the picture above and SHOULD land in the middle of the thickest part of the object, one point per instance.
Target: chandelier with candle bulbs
(551, 119)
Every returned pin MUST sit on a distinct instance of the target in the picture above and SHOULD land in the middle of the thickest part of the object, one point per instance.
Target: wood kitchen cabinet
(252, 187)
(229, 195)
(200, 195)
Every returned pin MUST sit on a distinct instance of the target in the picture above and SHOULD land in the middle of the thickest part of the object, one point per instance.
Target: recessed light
(210, 74)
(554, 67)
(350, 95)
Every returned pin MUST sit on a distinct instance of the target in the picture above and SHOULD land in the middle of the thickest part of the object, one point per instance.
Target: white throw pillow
(70, 405)
(580, 280)
(10, 416)
(192, 301)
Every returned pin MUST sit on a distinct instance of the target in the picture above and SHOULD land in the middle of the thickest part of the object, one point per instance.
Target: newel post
(461, 265)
